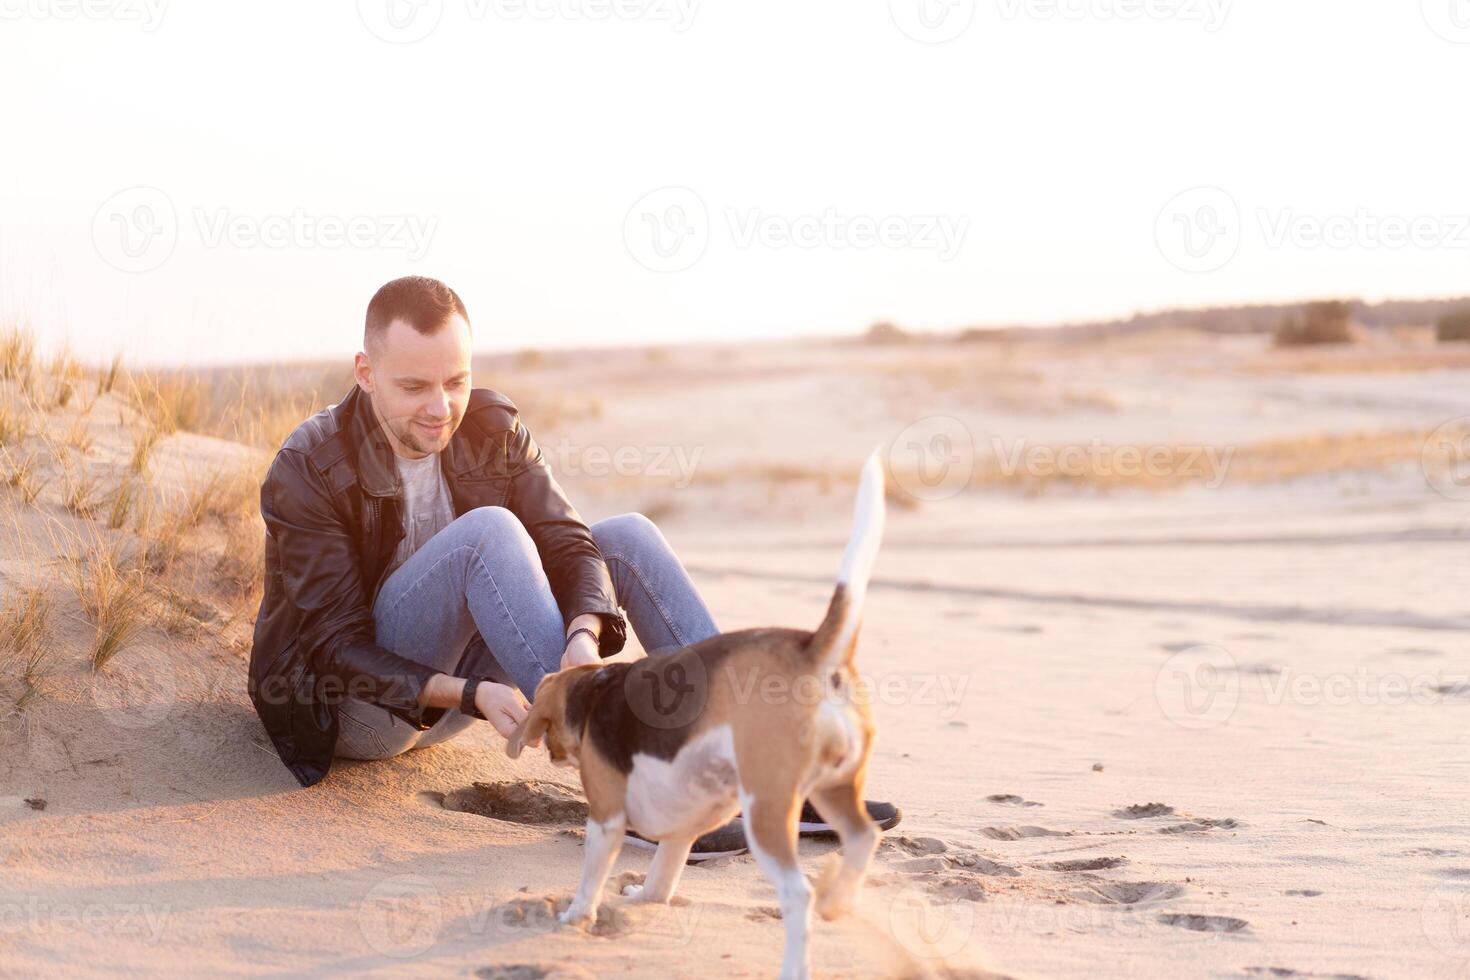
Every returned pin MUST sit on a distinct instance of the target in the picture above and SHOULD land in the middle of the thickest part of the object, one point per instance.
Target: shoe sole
(826, 828)
(694, 856)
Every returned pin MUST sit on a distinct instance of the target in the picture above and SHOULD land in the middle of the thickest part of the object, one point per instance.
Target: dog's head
(548, 716)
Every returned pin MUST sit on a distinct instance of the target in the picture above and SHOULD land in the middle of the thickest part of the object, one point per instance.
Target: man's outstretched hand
(581, 648)
(502, 706)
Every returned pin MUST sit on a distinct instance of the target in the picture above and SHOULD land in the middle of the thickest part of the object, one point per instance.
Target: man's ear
(530, 732)
(362, 372)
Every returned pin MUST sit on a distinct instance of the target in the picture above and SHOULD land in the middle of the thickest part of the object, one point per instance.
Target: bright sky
(202, 182)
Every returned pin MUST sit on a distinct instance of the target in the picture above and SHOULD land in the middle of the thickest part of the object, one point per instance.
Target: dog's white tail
(836, 639)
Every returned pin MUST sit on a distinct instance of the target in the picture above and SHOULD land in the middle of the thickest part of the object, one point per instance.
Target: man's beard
(412, 436)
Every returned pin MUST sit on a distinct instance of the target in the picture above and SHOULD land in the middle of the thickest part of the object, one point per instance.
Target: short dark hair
(423, 303)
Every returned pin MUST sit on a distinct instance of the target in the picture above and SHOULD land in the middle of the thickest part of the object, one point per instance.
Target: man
(424, 569)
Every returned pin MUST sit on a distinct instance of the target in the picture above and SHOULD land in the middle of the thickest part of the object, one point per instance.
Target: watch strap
(467, 699)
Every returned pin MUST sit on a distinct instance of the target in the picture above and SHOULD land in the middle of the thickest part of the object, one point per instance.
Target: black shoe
(811, 824)
(725, 841)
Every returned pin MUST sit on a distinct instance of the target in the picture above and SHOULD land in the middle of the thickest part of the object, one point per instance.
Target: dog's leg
(842, 807)
(663, 874)
(604, 840)
(770, 829)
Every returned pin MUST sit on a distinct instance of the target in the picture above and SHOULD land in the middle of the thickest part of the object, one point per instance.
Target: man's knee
(493, 527)
(625, 533)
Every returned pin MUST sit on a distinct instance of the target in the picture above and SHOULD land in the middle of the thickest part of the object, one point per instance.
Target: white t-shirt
(427, 506)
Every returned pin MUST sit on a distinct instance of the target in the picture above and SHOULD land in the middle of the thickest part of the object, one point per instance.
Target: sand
(1211, 732)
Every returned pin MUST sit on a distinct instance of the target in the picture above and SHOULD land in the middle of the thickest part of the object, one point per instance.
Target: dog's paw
(632, 891)
(578, 914)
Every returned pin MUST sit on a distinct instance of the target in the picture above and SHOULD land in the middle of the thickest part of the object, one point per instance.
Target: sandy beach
(1204, 718)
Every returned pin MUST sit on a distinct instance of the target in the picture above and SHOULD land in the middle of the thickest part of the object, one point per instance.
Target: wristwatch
(467, 699)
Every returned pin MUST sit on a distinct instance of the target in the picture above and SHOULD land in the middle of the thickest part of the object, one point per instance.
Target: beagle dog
(754, 722)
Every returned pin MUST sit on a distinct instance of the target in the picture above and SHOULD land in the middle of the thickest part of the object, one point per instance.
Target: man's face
(419, 385)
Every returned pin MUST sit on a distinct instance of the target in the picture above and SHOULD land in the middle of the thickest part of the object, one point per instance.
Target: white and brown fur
(775, 719)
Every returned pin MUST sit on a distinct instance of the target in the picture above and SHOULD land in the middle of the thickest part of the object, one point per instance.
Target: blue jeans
(475, 598)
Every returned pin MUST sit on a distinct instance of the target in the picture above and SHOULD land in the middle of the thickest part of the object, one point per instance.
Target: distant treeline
(1257, 318)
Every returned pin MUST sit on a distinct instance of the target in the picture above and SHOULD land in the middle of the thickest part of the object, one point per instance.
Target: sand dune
(1213, 732)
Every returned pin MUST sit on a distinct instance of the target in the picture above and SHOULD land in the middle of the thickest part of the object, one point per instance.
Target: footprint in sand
(1104, 892)
(1203, 923)
(1303, 892)
(1011, 799)
(1020, 833)
(1422, 653)
(1085, 864)
(1197, 825)
(1140, 810)
(530, 801)
(1461, 690)
(1285, 971)
(531, 971)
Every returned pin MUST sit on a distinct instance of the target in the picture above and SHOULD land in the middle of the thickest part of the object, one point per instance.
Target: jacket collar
(368, 443)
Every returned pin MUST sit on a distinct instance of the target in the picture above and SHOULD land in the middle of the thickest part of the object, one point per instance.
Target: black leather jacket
(332, 514)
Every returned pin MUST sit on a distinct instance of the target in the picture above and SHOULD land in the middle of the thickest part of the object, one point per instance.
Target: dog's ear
(533, 728)
(530, 731)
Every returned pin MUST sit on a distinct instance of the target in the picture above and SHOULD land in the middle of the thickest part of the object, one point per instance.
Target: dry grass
(145, 437)
(78, 436)
(20, 475)
(26, 636)
(80, 493)
(111, 591)
(127, 502)
(13, 428)
(18, 358)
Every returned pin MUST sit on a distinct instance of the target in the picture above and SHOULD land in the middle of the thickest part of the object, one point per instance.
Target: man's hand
(582, 649)
(502, 706)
